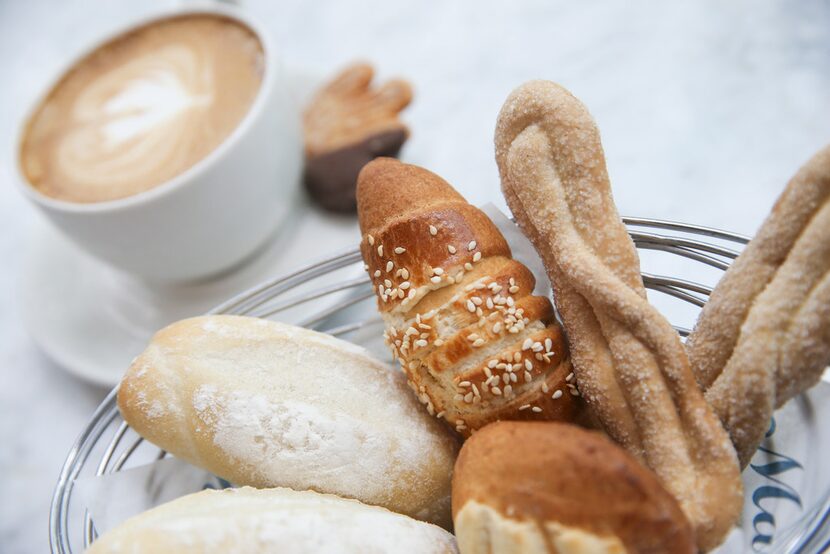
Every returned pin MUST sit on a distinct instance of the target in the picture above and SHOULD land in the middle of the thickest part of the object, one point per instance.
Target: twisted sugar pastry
(629, 362)
(764, 335)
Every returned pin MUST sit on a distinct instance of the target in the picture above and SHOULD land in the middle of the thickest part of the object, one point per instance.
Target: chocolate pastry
(348, 124)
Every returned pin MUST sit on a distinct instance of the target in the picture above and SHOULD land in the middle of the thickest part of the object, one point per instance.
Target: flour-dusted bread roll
(252, 521)
(553, 488)
(460, 313)
(267, 404)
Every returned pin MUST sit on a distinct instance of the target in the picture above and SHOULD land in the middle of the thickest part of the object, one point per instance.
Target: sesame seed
(405, 285)
(513, 378)
(527, 344)
(475, 390)
(513, 290)
(536, 409)
(437, 271)
(524, 407)
(478, 342)
(433, 230)
(421, 342)
(528, 364)
(468, 266)
(548, 344)
(489, 303)
(537, 347)
(371, 240)
(380, 250)
(377, 273)
(508, 390)
(388, 283)
(574, 392)
(496, 391)
(471, 246)
(366, 267)
(400, 250)
(510, 301)
(477, 257)
(468, 397)
(470, 306)
(435, 280)
(438, 342)
(570, 376)
(472, 336)
(411, 293)
(380, 290)
(528, 377)
(451, 249)
(477, 301)
(389, 265)
(400, 293)
(405, 273)
(557, 394)
(497, 327)
(440, 414)
(539, 357)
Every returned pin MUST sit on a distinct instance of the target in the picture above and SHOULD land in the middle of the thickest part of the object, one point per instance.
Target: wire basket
(327, 296)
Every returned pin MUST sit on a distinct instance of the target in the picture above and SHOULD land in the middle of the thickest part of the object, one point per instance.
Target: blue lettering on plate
(774, 489)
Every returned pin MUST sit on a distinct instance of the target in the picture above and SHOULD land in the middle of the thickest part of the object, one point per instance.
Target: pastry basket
(329, 296)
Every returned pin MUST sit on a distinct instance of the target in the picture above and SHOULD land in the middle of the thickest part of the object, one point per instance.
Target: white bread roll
(268, 404)
(255, 521)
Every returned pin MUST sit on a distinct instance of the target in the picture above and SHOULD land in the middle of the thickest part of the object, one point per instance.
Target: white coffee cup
(215, 214)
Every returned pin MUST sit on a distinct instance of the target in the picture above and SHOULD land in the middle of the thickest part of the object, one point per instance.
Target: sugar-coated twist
(764, 335)
(629, 362)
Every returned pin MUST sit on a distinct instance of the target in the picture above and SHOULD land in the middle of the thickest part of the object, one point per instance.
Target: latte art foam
(142, 109)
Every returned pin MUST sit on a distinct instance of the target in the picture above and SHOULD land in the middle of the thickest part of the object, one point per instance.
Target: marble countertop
(706, 108)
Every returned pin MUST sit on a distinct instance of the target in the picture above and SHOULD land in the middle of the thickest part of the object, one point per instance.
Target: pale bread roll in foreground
(545, 487)
(268, 404)
(254, 521)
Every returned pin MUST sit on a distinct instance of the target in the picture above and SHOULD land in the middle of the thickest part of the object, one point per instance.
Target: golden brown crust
(629, 361)
(456, 304)
(547, 472)
(762, 337)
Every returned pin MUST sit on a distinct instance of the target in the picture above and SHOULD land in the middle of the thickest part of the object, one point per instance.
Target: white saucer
(92, 319)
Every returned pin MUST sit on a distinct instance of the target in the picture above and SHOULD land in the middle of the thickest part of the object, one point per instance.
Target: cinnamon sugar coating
(629, 362)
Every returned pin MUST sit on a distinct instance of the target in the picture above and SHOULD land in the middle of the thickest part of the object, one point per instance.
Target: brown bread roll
(545, 487)
(459, 311)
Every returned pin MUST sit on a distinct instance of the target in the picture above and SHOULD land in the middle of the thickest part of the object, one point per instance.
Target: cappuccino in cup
(142, 108)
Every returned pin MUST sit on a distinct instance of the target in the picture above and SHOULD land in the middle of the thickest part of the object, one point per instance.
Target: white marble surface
(706, 108)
